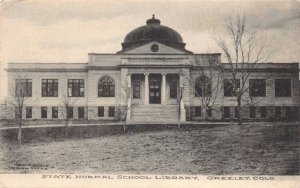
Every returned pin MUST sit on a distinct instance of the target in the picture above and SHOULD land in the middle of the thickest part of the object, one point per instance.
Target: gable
(154, 48)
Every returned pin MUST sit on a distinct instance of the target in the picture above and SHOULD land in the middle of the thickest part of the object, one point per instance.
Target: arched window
(203, 87)
(106, 87)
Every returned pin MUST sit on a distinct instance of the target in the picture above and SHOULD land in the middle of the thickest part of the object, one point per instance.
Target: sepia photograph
(192, 91)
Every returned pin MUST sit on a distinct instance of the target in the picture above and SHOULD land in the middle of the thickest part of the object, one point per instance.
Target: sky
(50, 31)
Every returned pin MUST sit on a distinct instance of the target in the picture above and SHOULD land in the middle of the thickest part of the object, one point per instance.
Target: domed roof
(153, 31)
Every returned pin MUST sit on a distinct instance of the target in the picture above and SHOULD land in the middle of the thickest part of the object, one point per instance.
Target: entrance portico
(153, 88)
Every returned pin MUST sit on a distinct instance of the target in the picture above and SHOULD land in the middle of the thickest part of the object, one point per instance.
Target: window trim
(260, 110)
(46, 110)
(173, 83)
(102, 108)
(28, 87)
(198, 115)
(72, 89)
(55, 86)
(111, 109)
(229, 116)
(252, 112)
(265, 87)
(111, 87)
(52, 114)
(26, 112)
(82, 108)
(198, 83)
(224, 90)
(69, 114)
(136, 84)
(291, 87)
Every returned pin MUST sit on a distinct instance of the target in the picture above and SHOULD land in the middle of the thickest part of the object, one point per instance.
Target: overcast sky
(65, 31)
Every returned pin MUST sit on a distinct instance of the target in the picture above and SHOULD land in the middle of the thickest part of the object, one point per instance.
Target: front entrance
(155, 90)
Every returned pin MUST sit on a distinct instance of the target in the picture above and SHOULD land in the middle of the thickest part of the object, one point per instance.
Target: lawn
(251, 149)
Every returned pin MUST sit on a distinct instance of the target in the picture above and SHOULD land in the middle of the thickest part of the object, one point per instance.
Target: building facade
(153, 78)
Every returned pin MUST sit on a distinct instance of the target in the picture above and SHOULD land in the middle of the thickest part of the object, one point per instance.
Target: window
(173, 89)
(283, 88)
(100, 111)
(236, 113)
(257, 87)
(203, 87)
(111, 111)
(54, 112)
(81, 112)
(197, 111)
(229, 89)
(28, 112)
(18, 112)
(263, 112)
(106, 87)
(252, 112)
(209, 112)
(23, 88)
(136, 89)
(277, 112)
(70, 112)
(43, 112)
(49, 87)
(76, 87)
(226, 112)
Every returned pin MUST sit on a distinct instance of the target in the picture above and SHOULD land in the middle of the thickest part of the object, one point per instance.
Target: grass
(250, 149)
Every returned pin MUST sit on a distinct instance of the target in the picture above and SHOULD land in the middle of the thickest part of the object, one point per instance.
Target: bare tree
(68, 105)
(19, 93)
(206, 86)
(245, 50)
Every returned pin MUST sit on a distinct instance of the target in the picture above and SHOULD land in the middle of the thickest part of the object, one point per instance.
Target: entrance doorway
(155, 89)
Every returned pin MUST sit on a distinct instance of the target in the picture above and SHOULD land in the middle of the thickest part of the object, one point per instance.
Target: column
(163, 89)
(182, 108)
(129, 98)
(146, 98)
(129, 85)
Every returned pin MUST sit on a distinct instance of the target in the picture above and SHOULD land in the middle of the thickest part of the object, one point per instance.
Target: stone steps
(154, 113)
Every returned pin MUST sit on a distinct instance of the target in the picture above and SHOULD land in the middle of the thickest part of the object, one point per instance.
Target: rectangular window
(173, 89)
(49, 87)
(28, 112)
(197, 111)
(43, 112)
(283, 88)
(81, 112)
(236, 114)
(54, 112)
(23, 88)
(252, 112)
(136, 89)
(263, 112)
(76, 87)
(70, 112)
(229, 86)
(278, 112)
(257, 87)
(209, 112)
(111, 111)
(100, 111)
(226, 111)
(18, 112)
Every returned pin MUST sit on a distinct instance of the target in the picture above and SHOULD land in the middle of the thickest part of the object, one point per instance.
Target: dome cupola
(153, 31)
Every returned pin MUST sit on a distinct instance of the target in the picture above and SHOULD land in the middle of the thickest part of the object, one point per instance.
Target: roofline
(153, 54)
(272, 63)
(44, 63)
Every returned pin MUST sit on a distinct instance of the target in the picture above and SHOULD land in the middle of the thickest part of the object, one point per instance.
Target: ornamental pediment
(154, 48)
